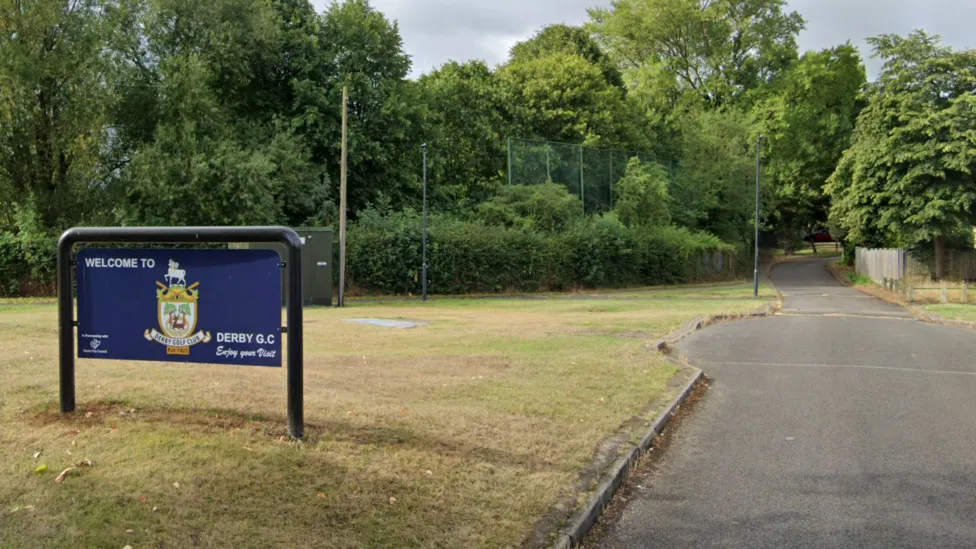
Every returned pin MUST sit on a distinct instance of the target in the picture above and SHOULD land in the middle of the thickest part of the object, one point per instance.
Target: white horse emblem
(175, 274)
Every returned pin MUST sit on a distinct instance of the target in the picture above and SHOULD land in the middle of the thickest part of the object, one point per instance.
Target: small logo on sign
(177, 312)
(95, 343)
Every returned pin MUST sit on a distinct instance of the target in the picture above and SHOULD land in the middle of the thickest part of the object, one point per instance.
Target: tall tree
(808, 120)
(53, 111)
(909, 174)
(363, 50)
(572, 40)
(564, 97)
(466, 130)
(192, 123)
(718, 49)
(713, 187)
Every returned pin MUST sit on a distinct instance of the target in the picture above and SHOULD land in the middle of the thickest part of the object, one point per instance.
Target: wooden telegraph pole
(342, 201)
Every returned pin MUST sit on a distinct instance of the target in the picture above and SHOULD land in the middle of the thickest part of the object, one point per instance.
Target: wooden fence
(897, 264)
(879, 264)
(901, 271)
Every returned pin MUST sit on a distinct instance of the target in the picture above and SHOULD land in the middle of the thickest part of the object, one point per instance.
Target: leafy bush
(642, 195)
(28, 260)
(384, 255)
(548, 207)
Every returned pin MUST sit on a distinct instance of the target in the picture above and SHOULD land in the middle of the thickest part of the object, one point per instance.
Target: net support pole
(509, 161)
(342, 200)
(582, 184)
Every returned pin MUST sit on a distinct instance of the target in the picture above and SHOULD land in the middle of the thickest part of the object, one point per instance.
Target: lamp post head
(424, 146)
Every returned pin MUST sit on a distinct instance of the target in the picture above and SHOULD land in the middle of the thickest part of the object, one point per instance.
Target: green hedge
(28, 264)
(384, 256)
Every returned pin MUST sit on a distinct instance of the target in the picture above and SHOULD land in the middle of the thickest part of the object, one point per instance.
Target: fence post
(965, 291)
(509, 161)
(945, 294)
(911, 292)
(582, 184)
(548, 168)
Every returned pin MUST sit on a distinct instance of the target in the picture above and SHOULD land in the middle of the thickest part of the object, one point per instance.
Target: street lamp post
(755, 272)
(423, 269)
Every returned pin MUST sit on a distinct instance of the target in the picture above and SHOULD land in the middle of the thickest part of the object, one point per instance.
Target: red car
(819, 236)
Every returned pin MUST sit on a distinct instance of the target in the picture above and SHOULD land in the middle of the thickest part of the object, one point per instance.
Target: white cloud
(436, 31)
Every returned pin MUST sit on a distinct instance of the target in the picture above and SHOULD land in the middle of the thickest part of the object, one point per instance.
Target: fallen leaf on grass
(84, 463)
(248, 449)
(88, 414)
(176, 485)
(143, 499)
(129, 531)
(60, 478)
(127, 547)
(154, 509)
(320, 495)
(429, 473)
(37, 455)
(40, 468)
(392, 500)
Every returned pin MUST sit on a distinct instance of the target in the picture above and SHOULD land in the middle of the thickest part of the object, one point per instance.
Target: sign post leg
(296, 411)
(66, 329)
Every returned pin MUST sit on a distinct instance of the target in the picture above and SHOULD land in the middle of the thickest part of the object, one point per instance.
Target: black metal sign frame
(183, 235)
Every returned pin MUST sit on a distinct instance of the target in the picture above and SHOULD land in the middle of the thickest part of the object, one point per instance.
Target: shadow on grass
(212, 421)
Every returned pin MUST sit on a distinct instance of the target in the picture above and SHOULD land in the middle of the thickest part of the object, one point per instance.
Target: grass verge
(958, 312)
(458, 433)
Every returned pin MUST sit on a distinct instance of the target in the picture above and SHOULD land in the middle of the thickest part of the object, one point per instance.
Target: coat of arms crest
(177, 312)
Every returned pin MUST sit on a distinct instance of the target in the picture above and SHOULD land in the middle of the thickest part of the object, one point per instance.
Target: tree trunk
(813, 240)
(940, 253)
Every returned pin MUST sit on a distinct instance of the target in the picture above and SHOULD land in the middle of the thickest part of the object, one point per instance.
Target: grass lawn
(737, 290)
(459, 433)
(965, 313)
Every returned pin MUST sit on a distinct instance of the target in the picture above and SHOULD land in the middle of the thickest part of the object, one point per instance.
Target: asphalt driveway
(841, 422)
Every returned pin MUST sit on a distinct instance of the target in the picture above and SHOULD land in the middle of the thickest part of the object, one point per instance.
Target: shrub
(28, 261)
(642, 195)
(385, 256)
(548, 207)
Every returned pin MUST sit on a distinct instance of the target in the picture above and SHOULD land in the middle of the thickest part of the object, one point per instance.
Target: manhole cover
(387, 323)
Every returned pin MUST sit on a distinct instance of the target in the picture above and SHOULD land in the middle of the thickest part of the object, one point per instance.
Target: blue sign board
(180, 305)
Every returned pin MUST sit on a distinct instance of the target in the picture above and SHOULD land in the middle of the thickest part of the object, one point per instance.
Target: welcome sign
(211, 306)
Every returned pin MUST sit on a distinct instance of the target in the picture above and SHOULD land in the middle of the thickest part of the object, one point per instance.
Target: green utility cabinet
(316, 265)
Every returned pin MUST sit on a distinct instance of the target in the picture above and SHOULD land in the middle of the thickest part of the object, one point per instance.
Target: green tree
(642, 195)
(719, 50)
(714, 182)
(571, 40)
(908, 175)
(53, 112)
(808, 121)
(363, 50)
(199, 141)
(564, 97)
(466, 129)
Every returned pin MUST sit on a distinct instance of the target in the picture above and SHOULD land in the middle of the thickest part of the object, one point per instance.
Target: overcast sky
(436, 31)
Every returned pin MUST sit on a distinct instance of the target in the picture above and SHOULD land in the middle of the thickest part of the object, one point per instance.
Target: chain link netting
(588, 172)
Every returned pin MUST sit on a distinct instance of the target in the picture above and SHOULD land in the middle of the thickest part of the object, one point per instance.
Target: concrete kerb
(690, 327)
(582, 521)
